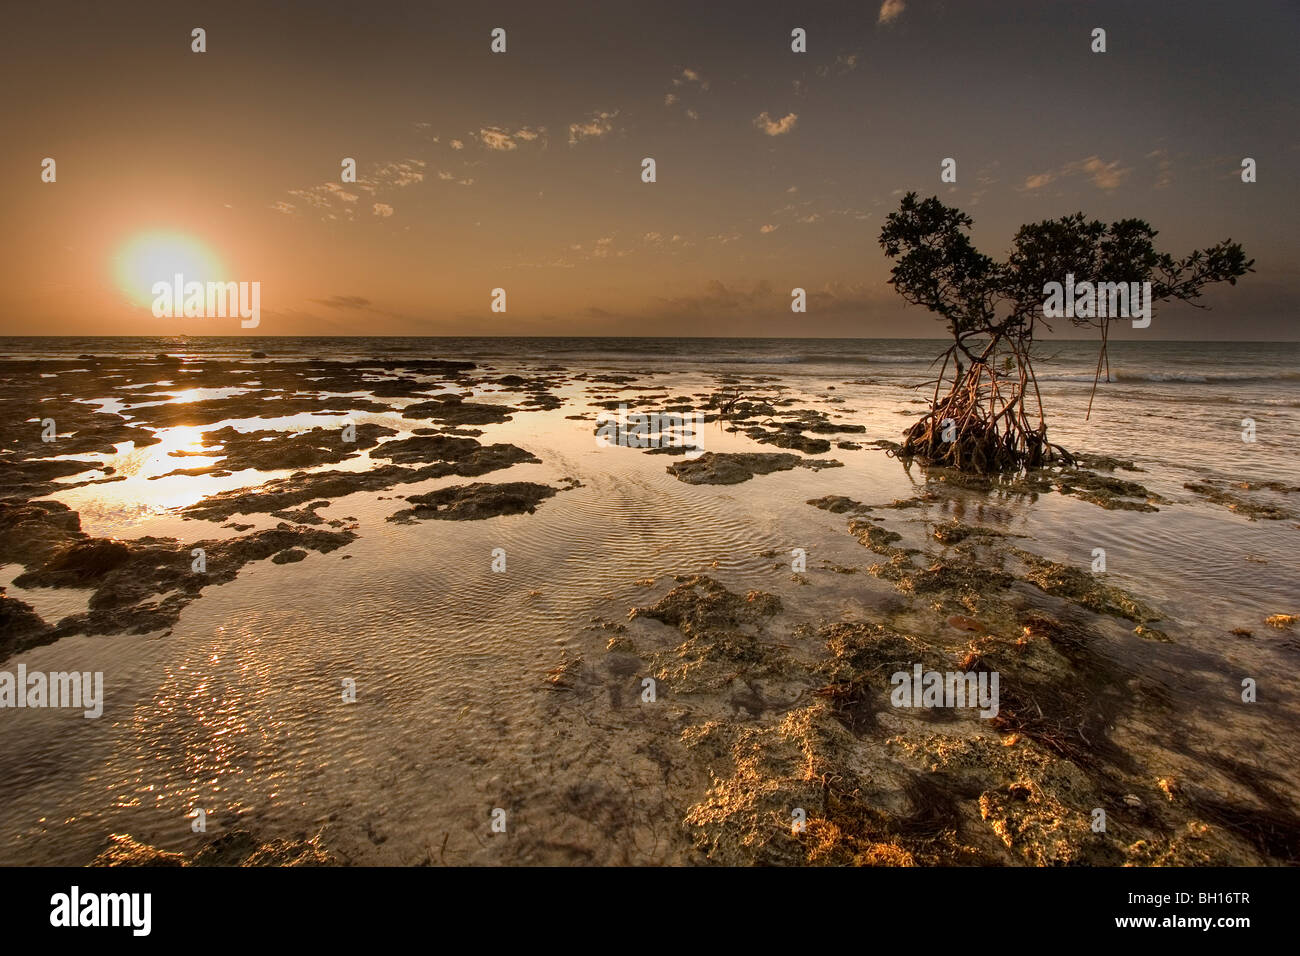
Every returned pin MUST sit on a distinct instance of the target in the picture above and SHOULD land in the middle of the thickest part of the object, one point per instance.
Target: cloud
(718, 299)
(1164, 167)
(382, 209)
(618, 247)
(494, 138)
(502, 140)
(1104, 175)
(457, 144)
(842, 64)
(688, 86)
(340, 192)
(344, 302)
(853, 298)
(776, 127)
(764, 298)
(335, 202)
(1100, 173)
(595, 126)
(689, 77)
(320, 197)
(890, 11)
(397, 174)
(605, 247)
(767, 228)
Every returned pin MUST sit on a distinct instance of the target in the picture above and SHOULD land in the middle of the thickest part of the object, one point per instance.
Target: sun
(159, 257)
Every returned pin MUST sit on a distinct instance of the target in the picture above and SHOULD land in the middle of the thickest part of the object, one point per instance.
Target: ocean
(1175, 400)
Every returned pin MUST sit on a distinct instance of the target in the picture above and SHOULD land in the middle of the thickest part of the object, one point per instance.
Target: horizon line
(649, 338)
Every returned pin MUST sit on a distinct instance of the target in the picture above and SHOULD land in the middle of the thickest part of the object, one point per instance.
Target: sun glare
(159, 257)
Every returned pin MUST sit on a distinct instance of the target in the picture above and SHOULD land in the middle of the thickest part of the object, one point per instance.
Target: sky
(522, 170)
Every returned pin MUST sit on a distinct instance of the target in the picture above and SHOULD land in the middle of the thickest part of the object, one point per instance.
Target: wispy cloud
(687, 87)
(334, 201)
(502, 140)
(842, 64)
(1102, 174)
(495, 138)
(595, 126)
(890, 11)
(716, 297)
(344, 302)
(324, 196)
(689, 77)
(618, 247)
(338, 191)
(765, 298)
(1164, 167)
(984, 180)
(776, 127)
(394, 175)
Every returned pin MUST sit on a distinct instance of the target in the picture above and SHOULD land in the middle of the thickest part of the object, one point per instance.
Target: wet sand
(500, 587)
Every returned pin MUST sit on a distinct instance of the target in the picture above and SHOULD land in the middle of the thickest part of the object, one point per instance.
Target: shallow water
(238, 709)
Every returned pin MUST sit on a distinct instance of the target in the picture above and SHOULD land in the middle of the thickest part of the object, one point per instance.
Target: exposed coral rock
(727, 468)
(476, 501)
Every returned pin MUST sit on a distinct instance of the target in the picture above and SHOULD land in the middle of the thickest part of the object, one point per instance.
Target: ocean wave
(1221, 378)
(831, 358)
(1179, 378)
(748, 359)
